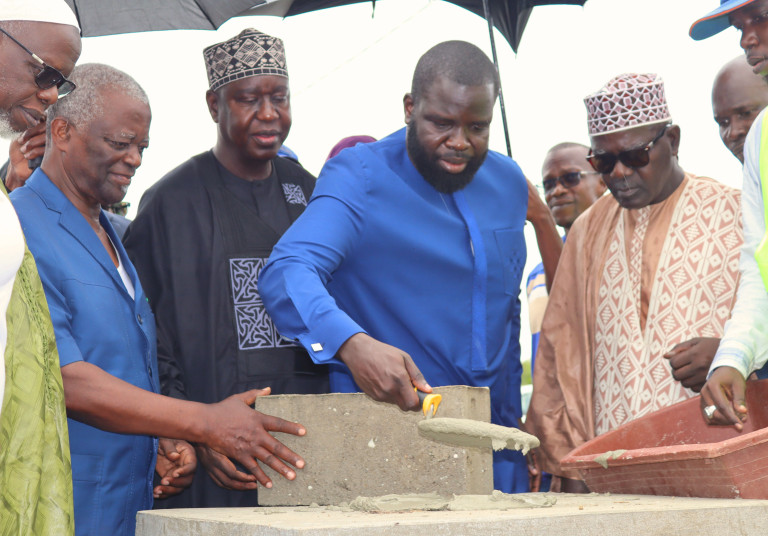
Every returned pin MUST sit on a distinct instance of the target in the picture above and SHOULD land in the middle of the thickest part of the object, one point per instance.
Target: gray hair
(87, 101)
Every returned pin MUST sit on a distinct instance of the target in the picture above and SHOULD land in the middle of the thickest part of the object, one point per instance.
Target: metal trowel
(467, 432)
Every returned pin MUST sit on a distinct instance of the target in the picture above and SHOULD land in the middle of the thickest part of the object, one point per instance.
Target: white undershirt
(123, 274)
(11, 255)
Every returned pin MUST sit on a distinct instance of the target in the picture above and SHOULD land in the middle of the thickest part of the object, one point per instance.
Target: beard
(7, 132)
(440, 179)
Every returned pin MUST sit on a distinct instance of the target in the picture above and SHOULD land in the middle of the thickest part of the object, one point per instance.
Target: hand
(176, 464)
(28, 146)
(690, 361)
(238, 431)
(223, 471)
(537, 208)
(726, 389)
(534, 471)
(383, 372)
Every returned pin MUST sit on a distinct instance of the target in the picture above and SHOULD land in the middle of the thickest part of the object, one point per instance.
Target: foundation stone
(357, 447)
(571, 515)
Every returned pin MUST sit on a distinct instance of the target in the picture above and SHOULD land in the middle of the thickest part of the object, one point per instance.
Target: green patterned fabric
(35, 472)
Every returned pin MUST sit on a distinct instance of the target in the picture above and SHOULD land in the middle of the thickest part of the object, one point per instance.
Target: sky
(349, 71)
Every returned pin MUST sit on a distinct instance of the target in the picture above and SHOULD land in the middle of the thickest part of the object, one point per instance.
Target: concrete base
(357, 447)
(572, 515)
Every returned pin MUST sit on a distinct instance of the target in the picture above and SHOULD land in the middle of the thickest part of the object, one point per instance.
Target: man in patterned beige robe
(645, 283)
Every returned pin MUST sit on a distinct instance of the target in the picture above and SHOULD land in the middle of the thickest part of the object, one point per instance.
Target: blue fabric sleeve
(293, 283)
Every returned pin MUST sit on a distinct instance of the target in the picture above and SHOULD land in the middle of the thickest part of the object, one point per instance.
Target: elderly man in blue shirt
(104, 328)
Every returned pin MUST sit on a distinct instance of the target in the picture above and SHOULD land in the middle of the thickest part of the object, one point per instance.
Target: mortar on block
(674, 452)
(355, 447)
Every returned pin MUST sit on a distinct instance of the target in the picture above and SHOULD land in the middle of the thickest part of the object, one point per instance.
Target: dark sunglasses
(634, 158)
(568, 180)
(48, 77)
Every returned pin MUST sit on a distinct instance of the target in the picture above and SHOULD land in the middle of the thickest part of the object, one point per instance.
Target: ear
(213, 104)
(673, 131)
(408, 107)
(61, 133)
(601, 187)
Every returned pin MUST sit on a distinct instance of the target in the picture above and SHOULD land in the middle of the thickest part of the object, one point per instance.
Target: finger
(274, 447)
(276, 424)
(249, 397)
(185, 469)
(724, 413)
(177, 482)
(31, 152)
(681, 359)
(679, 347)
(417, 378)
(684, 373)
(228, 469)
(257, 472)
(223, 481)
(275, 459)
(739, 397)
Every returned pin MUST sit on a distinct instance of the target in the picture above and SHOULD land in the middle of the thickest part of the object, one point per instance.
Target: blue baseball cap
(716, 21)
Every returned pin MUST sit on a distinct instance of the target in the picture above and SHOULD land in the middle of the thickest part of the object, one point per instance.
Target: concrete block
(572, 515)
(357, 447)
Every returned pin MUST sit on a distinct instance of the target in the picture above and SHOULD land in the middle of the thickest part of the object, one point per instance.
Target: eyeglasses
(48, 77)
(568, 180)
(634, 158)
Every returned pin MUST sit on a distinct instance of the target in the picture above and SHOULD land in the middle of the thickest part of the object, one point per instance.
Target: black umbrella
(108, 17)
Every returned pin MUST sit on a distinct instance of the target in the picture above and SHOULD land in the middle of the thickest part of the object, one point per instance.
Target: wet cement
(429, 502)
(603, 458)
(469, 433)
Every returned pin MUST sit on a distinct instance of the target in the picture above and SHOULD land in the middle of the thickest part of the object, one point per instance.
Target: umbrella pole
(489, 19)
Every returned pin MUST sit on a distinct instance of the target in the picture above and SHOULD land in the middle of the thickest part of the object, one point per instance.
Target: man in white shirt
(744, 347)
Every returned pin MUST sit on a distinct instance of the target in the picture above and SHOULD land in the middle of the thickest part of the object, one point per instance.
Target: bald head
(738, 96)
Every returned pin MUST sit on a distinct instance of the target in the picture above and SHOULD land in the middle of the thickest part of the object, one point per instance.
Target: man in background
(738, 96)
(743, 348)
(199, 241)
(570, 187)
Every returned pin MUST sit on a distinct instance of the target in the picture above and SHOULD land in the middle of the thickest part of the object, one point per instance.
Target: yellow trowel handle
(429, 401)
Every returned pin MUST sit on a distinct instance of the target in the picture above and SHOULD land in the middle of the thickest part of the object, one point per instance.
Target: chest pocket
(511, 245)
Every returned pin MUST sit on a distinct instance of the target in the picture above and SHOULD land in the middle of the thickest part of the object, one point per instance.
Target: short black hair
(458, 61)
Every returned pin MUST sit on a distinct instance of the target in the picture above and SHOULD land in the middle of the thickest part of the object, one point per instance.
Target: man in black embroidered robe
(201, 236)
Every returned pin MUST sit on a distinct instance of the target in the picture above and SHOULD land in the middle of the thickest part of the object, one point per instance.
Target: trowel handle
(429, 402)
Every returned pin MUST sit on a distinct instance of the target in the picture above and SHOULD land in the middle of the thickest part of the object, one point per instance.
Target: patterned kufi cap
(627, 101)
(250, 53)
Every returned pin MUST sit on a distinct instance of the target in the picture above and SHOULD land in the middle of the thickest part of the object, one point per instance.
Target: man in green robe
(39, 45)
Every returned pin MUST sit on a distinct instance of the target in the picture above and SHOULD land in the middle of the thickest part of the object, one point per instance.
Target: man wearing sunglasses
(645, 283)
(570, 186)
(39, 45)
(743, 348)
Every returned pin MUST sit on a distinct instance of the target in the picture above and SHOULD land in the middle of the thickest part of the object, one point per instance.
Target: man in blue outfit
(409, 256)
(121, 431)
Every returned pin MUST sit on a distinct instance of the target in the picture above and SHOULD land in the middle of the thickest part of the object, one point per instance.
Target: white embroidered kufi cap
(627, 101)
(56, 11)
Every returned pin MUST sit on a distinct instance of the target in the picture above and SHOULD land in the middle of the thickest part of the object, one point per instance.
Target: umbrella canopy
(107, 17)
